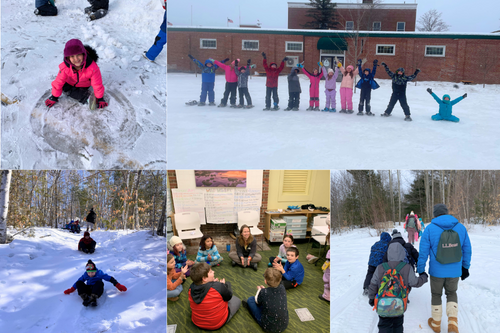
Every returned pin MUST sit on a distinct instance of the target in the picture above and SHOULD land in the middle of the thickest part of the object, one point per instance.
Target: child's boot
(435, 320)
(452, 313)
(86, 299)
(93, 300)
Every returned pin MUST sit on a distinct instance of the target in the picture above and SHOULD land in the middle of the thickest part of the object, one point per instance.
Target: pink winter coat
(229, 70)
(314, 87)
(85, 77)
(347, 80)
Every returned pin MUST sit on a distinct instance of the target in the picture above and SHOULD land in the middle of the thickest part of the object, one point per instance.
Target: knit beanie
(86, 233)
(440, 209)
(396, 234)
(175, 240)
(330, 70)
(90, 267)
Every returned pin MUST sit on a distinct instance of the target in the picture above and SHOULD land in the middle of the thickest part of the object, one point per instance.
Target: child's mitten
(69, 291)
(120, 287)
(51, 101)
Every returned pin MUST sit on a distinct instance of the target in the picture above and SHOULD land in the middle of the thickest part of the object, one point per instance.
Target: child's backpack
(411, 222)
(449, 247)
(392, 295)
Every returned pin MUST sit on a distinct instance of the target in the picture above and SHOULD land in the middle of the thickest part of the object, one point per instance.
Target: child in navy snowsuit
(445, 107)
(160, 40)
(243, 73)
(377, 253)
(366, 84)
(207, 80)
(399, 81)
(97, 9)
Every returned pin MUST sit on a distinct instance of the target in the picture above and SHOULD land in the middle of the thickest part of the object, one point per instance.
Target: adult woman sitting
(246, 250)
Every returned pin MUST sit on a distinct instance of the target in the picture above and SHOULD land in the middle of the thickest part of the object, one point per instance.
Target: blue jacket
(203, 255)
(164, 24)
(99, 275)
(445, 107)
(207, 73)
(429, 243)
(379, 249)
(181, 259)
(370, 77)
(294, 271)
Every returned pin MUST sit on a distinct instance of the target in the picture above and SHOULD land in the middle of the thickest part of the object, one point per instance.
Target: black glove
(190, 56)
(375, 61)
(464, 95)
(264, 55)
(249, 61)
(423, 274)
(371, 302)
(429, 90)
(285, 58)
(360, 62)
(465, 273)
(236, 63)
(417, 71)
(223, 61)
(383, 64)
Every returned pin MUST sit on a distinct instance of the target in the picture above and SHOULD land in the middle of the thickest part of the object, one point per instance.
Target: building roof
(358, 5)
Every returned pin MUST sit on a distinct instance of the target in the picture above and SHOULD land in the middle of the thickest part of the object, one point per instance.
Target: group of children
(212, 301)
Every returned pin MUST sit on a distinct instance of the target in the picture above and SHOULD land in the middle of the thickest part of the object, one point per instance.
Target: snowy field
(129, 133)
(36, 271)
(256, 139)
(478, 295)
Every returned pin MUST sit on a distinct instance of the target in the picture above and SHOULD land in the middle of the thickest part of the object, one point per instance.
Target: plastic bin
(295, 219)
(278, 224)
(276, 236)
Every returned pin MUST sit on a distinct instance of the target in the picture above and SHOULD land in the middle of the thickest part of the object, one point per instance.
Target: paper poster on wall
(192, 200)
(247, 197)
(220, 178)
(219, 197)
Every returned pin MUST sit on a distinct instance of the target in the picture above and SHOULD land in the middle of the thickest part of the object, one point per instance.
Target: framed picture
(220, 178)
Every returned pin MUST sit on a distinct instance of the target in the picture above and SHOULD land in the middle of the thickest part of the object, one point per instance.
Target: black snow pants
(88, 248)
(390, 324)
(243, 92)
(366, 95)
(401, 97)
(96, 289)
(273, 91)
(293, 100)
(81, 94)
(369, 275)
(47, 10)
(230, 89)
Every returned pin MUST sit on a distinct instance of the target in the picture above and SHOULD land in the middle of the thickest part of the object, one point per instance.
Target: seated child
(208, 253)
(392, 322)
(178, 249)
(45, 8)
(269, 306)
(94, 288)
(293, 272)
(377, 253)
(287, 242)
(86, 244)
(174, 279)
(212, 302)
(97, 9)
(445, 107)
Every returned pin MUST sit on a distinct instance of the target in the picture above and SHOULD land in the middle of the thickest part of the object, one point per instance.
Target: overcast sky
(461, 15)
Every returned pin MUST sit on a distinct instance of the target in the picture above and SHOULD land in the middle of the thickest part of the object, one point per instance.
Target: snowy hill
(129, 133)
(279, 140)
(478, 295)
(36, 271)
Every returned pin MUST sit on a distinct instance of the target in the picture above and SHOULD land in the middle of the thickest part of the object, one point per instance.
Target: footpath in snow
(129, 133)
(36, 271)
(478, 295)
(252, 138)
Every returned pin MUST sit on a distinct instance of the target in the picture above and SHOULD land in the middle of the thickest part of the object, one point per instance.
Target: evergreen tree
(322, 13)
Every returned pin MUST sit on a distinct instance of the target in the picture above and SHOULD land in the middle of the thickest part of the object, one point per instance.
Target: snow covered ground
(36, 271)
(129, 133)
(275, 140)
(478, 295)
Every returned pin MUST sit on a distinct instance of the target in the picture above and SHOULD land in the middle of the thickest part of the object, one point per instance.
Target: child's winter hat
(330, 70)
(86, 233)
(73, 47)
(90, 267)
(440, 209)
(350, 66)
(175, 240)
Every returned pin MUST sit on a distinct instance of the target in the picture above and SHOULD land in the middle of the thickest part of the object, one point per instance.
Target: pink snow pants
(314, 95)
(326, 280)
(346, 98)
(331, 101)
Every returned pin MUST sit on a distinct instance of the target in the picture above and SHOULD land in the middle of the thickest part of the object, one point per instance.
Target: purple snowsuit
(326, 280)
(330, 88)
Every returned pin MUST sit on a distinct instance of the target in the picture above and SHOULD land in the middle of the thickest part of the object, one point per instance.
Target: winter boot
(201, 104)
(435, 321)
(408, 118)
(93, 300)
(333, 110)
(276, 107)
(240, 106)
(365, 292)
(146, 57)
(316, 108)
(350, 111)
(266, 109)
(385, 114)
(211, 104)
(288, 109)
(86, 250)
(369, 113)
(326, 109)
(233, 263)
(234, 106)
(452, 313)
(360, 113)
(221, 105)
(295, 109)
(343, 111)
(86, 299)
(254, 266)
(309, 108)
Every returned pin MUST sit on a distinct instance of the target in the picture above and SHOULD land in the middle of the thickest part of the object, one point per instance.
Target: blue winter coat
(203, 255)
(164, 24)
(445, 108)
(99, 275)
(207, 73)
(379, 249)
(370, 77)
(294, 271)
(180, 260)
(429, 243)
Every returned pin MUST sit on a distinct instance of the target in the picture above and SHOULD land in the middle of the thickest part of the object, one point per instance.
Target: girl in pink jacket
(314, 78)
(346, 88)
(77, 73)
(231, 82)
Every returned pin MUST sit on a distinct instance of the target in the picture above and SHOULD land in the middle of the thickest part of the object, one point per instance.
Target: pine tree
(323, 14)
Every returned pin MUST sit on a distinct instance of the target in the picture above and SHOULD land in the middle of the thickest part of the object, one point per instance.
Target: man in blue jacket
(444, 275)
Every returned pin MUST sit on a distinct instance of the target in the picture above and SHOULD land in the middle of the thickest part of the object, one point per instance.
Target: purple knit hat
(74, 47)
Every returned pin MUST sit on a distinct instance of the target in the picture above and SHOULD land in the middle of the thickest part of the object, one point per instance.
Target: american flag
(230, 21)
(169, 23)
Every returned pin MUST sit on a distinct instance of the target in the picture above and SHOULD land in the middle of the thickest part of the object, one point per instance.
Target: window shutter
(296, 182)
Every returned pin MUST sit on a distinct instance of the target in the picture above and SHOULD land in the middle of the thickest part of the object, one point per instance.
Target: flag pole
(227, 21)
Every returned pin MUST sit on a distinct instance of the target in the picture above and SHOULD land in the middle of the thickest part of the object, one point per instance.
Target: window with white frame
(208, 43)
(377, 26)
(401, 26)
(294, 46)
(386, 49)
(250, 45)
(349, 25)
(435, 51)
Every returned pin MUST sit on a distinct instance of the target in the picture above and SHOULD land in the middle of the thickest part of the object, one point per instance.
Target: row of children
(73, 226)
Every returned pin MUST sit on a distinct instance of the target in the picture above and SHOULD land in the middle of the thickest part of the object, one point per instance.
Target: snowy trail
(478, 295)
(278, 140)
(36, 271)
(129, 133)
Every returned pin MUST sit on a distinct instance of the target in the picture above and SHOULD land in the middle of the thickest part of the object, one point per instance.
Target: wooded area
(51, 198)
(361, 198)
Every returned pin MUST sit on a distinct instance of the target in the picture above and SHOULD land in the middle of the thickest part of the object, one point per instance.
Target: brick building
(364, 16)
(441, 56)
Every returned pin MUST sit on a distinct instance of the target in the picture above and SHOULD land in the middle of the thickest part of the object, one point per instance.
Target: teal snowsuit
(445, 108)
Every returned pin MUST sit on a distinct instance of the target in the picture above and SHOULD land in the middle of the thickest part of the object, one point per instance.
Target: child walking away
(269, 306)
(160, 40)
(331, 88)
(231, 82)
(243, 72)
(388, 291)
(207, 80)
(445, 107)
(287, 243)
(45, 8)
(346, 87)
(98, 9)
(294, 90)
(177, 248)
(411, 227)
(207, 252)
(90, 286)
(86, 244)
(314, 79)
(366, 84)
(293, 272)
(326, 279)
(77, 73)
(211, 300)
(377, 252)
(174, 279)
(272, 73)
(399, 81)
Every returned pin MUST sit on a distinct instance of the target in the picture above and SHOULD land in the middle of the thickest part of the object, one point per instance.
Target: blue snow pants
(160, 41)
(207, 88)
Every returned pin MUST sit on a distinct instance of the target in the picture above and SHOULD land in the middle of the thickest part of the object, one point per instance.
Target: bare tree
(4, 204)
(432, 21)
